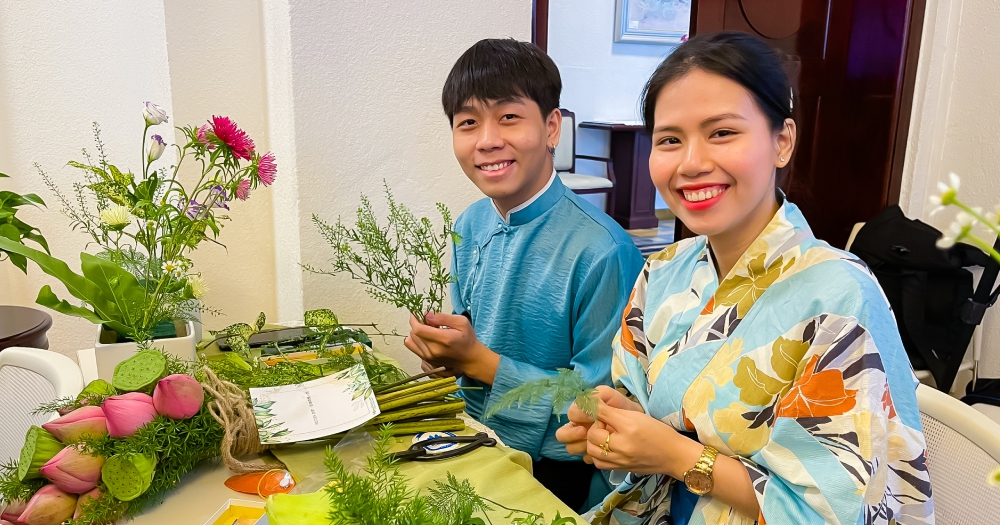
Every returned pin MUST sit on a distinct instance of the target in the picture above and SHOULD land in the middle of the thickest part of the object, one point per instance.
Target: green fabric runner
(498, 473)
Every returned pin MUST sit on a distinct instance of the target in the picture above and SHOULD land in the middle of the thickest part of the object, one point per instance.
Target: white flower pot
(109, 353)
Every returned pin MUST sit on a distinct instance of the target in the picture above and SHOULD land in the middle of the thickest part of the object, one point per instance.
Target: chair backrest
(565, 157)
(28, 378)
(963, 448)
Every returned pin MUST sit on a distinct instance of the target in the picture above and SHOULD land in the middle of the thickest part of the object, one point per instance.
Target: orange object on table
(263, 484)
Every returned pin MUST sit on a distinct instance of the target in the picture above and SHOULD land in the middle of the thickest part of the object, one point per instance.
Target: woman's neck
(729, 246)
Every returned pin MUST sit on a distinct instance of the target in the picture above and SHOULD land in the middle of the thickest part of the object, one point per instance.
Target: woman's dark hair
(740, 57)
(496, 70)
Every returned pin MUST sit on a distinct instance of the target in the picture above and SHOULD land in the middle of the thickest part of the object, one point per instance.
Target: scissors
(418, 451)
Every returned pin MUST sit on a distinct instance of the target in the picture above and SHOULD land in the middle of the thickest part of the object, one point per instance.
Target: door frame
(540, 24)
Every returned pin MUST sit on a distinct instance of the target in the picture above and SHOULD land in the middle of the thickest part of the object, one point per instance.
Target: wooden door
(852, 65)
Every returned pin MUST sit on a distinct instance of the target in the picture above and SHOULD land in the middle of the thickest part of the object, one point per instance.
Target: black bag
(929, 289)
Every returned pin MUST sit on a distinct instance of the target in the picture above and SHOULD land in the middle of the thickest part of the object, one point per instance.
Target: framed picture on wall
(652, 21)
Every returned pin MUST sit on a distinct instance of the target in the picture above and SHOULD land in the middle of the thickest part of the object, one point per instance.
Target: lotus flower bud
(13, 510)
(84, 422)
(156, 147)
(154, 114)
(39, 447)
(74, 471)
(5, 522)
(127, 413)
(83, 500)
(49, 506)
(178, 396)
(128, 476)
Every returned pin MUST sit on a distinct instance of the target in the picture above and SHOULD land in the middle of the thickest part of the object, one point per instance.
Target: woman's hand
(574, 433)
(638, 443)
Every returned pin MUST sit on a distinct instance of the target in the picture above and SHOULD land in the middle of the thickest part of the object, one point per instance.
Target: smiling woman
(765, 364)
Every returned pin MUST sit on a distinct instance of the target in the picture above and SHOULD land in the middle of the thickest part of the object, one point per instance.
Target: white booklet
(314, 409)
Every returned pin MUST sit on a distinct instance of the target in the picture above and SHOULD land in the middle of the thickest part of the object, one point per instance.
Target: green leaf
(116, 285)
(123, 179)
(4, 176)
(48, 299)
(77, 285)
(86, 167)
(34, 199)
(11, 232)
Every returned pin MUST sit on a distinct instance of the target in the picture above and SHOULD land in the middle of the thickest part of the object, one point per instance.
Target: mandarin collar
(537, 205)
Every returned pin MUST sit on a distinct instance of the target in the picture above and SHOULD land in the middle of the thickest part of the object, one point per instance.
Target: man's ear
(553, 123)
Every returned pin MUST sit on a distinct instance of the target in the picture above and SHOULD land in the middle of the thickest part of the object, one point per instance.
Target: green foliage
(566, 387)
(145, 226)
(12, 488)
(390, 259)
(379, 496)
(15, 229)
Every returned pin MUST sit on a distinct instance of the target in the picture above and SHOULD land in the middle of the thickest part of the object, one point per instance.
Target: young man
(542, 276)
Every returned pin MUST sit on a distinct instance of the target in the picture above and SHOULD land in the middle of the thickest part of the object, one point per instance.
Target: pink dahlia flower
(229, 133)
(243, 190)
(267, 169)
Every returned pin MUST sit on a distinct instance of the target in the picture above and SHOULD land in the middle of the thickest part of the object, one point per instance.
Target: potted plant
(15, 229)
(140, 287)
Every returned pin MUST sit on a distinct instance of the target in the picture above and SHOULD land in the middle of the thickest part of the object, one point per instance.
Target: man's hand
(450, 341)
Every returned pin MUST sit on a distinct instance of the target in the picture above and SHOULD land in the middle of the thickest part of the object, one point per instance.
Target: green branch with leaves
(16, 230)
(380, 496)
(567, 386)
(395, 260)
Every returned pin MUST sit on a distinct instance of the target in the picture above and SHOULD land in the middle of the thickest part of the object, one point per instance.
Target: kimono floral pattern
(791, 364)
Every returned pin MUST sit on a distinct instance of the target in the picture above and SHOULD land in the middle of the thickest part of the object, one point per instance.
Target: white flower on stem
(958, 230)
(115, 216)
(198, 285)
(949, 193)
(156, 147)
(154, 114)
(173, 268)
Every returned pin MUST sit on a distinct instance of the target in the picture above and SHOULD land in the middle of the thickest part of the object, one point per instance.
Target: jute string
(230, 406)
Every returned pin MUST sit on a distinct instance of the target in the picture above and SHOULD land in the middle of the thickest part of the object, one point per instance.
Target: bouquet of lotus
(115, 447)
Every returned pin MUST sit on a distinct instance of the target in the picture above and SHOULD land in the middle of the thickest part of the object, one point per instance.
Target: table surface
(499, 473)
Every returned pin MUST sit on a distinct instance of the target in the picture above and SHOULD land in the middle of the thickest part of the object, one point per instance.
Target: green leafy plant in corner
(379, 496)
(16, 230)
(568, 386)
(391, 259)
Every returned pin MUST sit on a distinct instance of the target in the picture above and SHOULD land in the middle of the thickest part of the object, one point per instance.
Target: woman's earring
(782, 159)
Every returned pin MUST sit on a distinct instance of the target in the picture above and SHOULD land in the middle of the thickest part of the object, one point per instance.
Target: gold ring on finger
(606, 446)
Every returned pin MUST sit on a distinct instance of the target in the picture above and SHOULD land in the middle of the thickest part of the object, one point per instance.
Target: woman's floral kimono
(793, 364)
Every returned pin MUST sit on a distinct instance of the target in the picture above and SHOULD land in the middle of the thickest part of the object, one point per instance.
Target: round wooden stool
(20, 326)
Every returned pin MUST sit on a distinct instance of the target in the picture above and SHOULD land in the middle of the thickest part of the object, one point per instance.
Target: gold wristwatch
(699, 478)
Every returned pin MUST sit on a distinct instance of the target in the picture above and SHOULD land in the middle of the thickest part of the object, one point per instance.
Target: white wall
(346, 94)
(63, 66)
(218, 69)
(956, 123)
(367, 79)
(602, 80)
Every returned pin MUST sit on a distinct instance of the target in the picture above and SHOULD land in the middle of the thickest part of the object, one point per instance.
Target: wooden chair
(564, 161)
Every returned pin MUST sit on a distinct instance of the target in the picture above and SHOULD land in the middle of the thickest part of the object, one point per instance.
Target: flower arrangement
(14, 228)
(116, 447)
(145, 226)
(966, 219)
(391, 259)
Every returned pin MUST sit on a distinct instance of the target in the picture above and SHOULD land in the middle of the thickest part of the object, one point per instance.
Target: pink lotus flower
(231, 135)
(243, 190)
(127, 413)
(83, 499)
(178, 396)
(83, 422)
(49, 506)
(73, 471)
(267, 169)
(13, 510)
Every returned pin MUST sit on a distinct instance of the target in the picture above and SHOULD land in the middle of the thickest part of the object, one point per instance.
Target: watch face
(698, 482)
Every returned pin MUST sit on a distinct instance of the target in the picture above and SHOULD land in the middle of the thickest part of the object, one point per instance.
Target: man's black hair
(499, 70)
